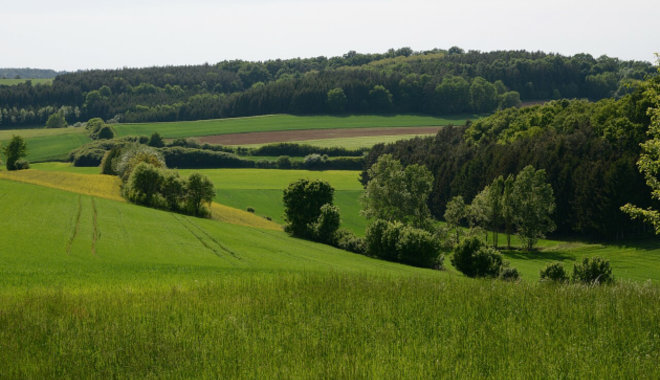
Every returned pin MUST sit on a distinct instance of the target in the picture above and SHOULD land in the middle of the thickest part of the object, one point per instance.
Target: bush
(510, 274)
(284, 162)
(327, 224)
(144, 184)
(108, 163)
(56, 120)
(314, 161)
(192, 158)
(301, 150)
(156, 141)
(554, 272)
(417, 247)
(474, 259)
(593, 271)
(134, 155)
(250, 209)
(14, 152)
(303, 200)
(398, 242)
(348, 241)
(21, 164)
(105, 133)
(173, 190)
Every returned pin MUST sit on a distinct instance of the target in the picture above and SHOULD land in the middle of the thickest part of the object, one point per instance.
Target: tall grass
(303, 325)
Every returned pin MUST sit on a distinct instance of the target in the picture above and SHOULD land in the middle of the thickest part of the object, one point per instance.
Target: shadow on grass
(537, 255)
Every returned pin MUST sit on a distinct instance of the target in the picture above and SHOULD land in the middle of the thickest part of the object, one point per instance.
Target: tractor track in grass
(96, 233)
(187, 225)
(76, 227)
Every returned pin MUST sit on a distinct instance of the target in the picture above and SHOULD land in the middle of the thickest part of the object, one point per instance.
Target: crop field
(47, 144)
(352, 142)
(13, 82)
(280, 123)
(97, 287)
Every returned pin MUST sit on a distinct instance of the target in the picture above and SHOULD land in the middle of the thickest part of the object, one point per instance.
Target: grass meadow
(93, 287)
(13, 82)
(352, 142)
(267, 123)
(47, 144)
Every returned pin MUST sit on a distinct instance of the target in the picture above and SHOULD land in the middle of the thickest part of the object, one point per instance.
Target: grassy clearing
(280, 123)
(89, 184)
(13, 82)
(352, 142)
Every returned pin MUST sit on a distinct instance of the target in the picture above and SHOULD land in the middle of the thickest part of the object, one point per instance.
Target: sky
(76, 34)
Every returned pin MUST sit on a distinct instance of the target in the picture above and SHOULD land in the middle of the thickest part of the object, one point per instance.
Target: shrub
(374, 238)
(554, 272)
(134, 155)
(348, 241)
(173, 190)
(156, 141)
(143, 185)
(108, 163)
(302, 205)
(105, 133)
(593, 271)
(327, 224)
(180, 157)
(250, 209)
(21, 164)
(474, 259)
(509, 274)
(284, 162)
(56, 120)
(14, 152)
(417, 247)
(314, 161)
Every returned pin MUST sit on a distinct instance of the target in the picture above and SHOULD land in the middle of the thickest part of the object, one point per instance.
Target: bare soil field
(311, 134)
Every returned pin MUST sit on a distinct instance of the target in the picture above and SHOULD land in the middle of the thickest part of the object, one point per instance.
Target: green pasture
(47, 144)
(267, 123)
(13, 82)
(99, 288)
(352, 142)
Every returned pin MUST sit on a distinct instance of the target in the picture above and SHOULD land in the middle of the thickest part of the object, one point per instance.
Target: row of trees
(523, 203)
(436, 81)
(147, 181)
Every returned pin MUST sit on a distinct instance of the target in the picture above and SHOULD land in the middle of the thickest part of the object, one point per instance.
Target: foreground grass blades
(306, 325)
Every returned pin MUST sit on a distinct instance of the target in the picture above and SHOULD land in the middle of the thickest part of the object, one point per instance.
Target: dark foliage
(433, 82)
(554, 272)
(394, 241)
(593, 271)
(474, 259)
(303, 200)
(301, 150)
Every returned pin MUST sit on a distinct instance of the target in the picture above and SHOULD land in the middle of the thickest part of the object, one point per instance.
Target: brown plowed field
(311, 134)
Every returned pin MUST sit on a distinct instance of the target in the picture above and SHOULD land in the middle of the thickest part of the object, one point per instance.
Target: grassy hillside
(47, 144)
(96, 287)
(280, 123)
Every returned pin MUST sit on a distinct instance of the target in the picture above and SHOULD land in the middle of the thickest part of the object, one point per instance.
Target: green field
(98, 288)
(12, 82)
(351, 142)
(280, 123)
(47, 144)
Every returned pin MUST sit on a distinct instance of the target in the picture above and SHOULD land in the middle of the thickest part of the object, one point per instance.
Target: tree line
(589, 152)
(433, 82)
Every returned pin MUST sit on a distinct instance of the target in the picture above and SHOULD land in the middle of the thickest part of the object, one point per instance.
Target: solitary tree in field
(199, 191)
(649, 162)
(397, 194)
(14, 151)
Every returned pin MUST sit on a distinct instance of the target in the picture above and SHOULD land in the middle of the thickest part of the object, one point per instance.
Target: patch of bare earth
(311, 134)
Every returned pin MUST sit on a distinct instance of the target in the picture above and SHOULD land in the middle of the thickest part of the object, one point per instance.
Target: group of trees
(147, 181)
(434, 82)
(589, 152)
(14, 153)
(523, 203)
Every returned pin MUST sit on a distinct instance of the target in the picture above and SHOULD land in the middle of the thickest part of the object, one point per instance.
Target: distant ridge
(28, 73)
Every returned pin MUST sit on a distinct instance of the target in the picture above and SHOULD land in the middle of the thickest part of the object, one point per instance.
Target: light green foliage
(456, 213)
(56, 120)
(534, 203)
(649, 163)
(15, 150)
(133, 155)
(397, 194)
(337, 100)
(144, 184)
(483, 95)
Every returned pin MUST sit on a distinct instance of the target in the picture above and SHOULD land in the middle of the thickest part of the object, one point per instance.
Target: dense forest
(398, 81)
(588, 149)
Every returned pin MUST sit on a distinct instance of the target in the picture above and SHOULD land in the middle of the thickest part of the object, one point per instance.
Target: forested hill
(27, 73)
(398, 81)
(588, 150)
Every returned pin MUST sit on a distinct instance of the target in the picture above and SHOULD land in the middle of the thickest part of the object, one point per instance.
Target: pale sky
(86, 34)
